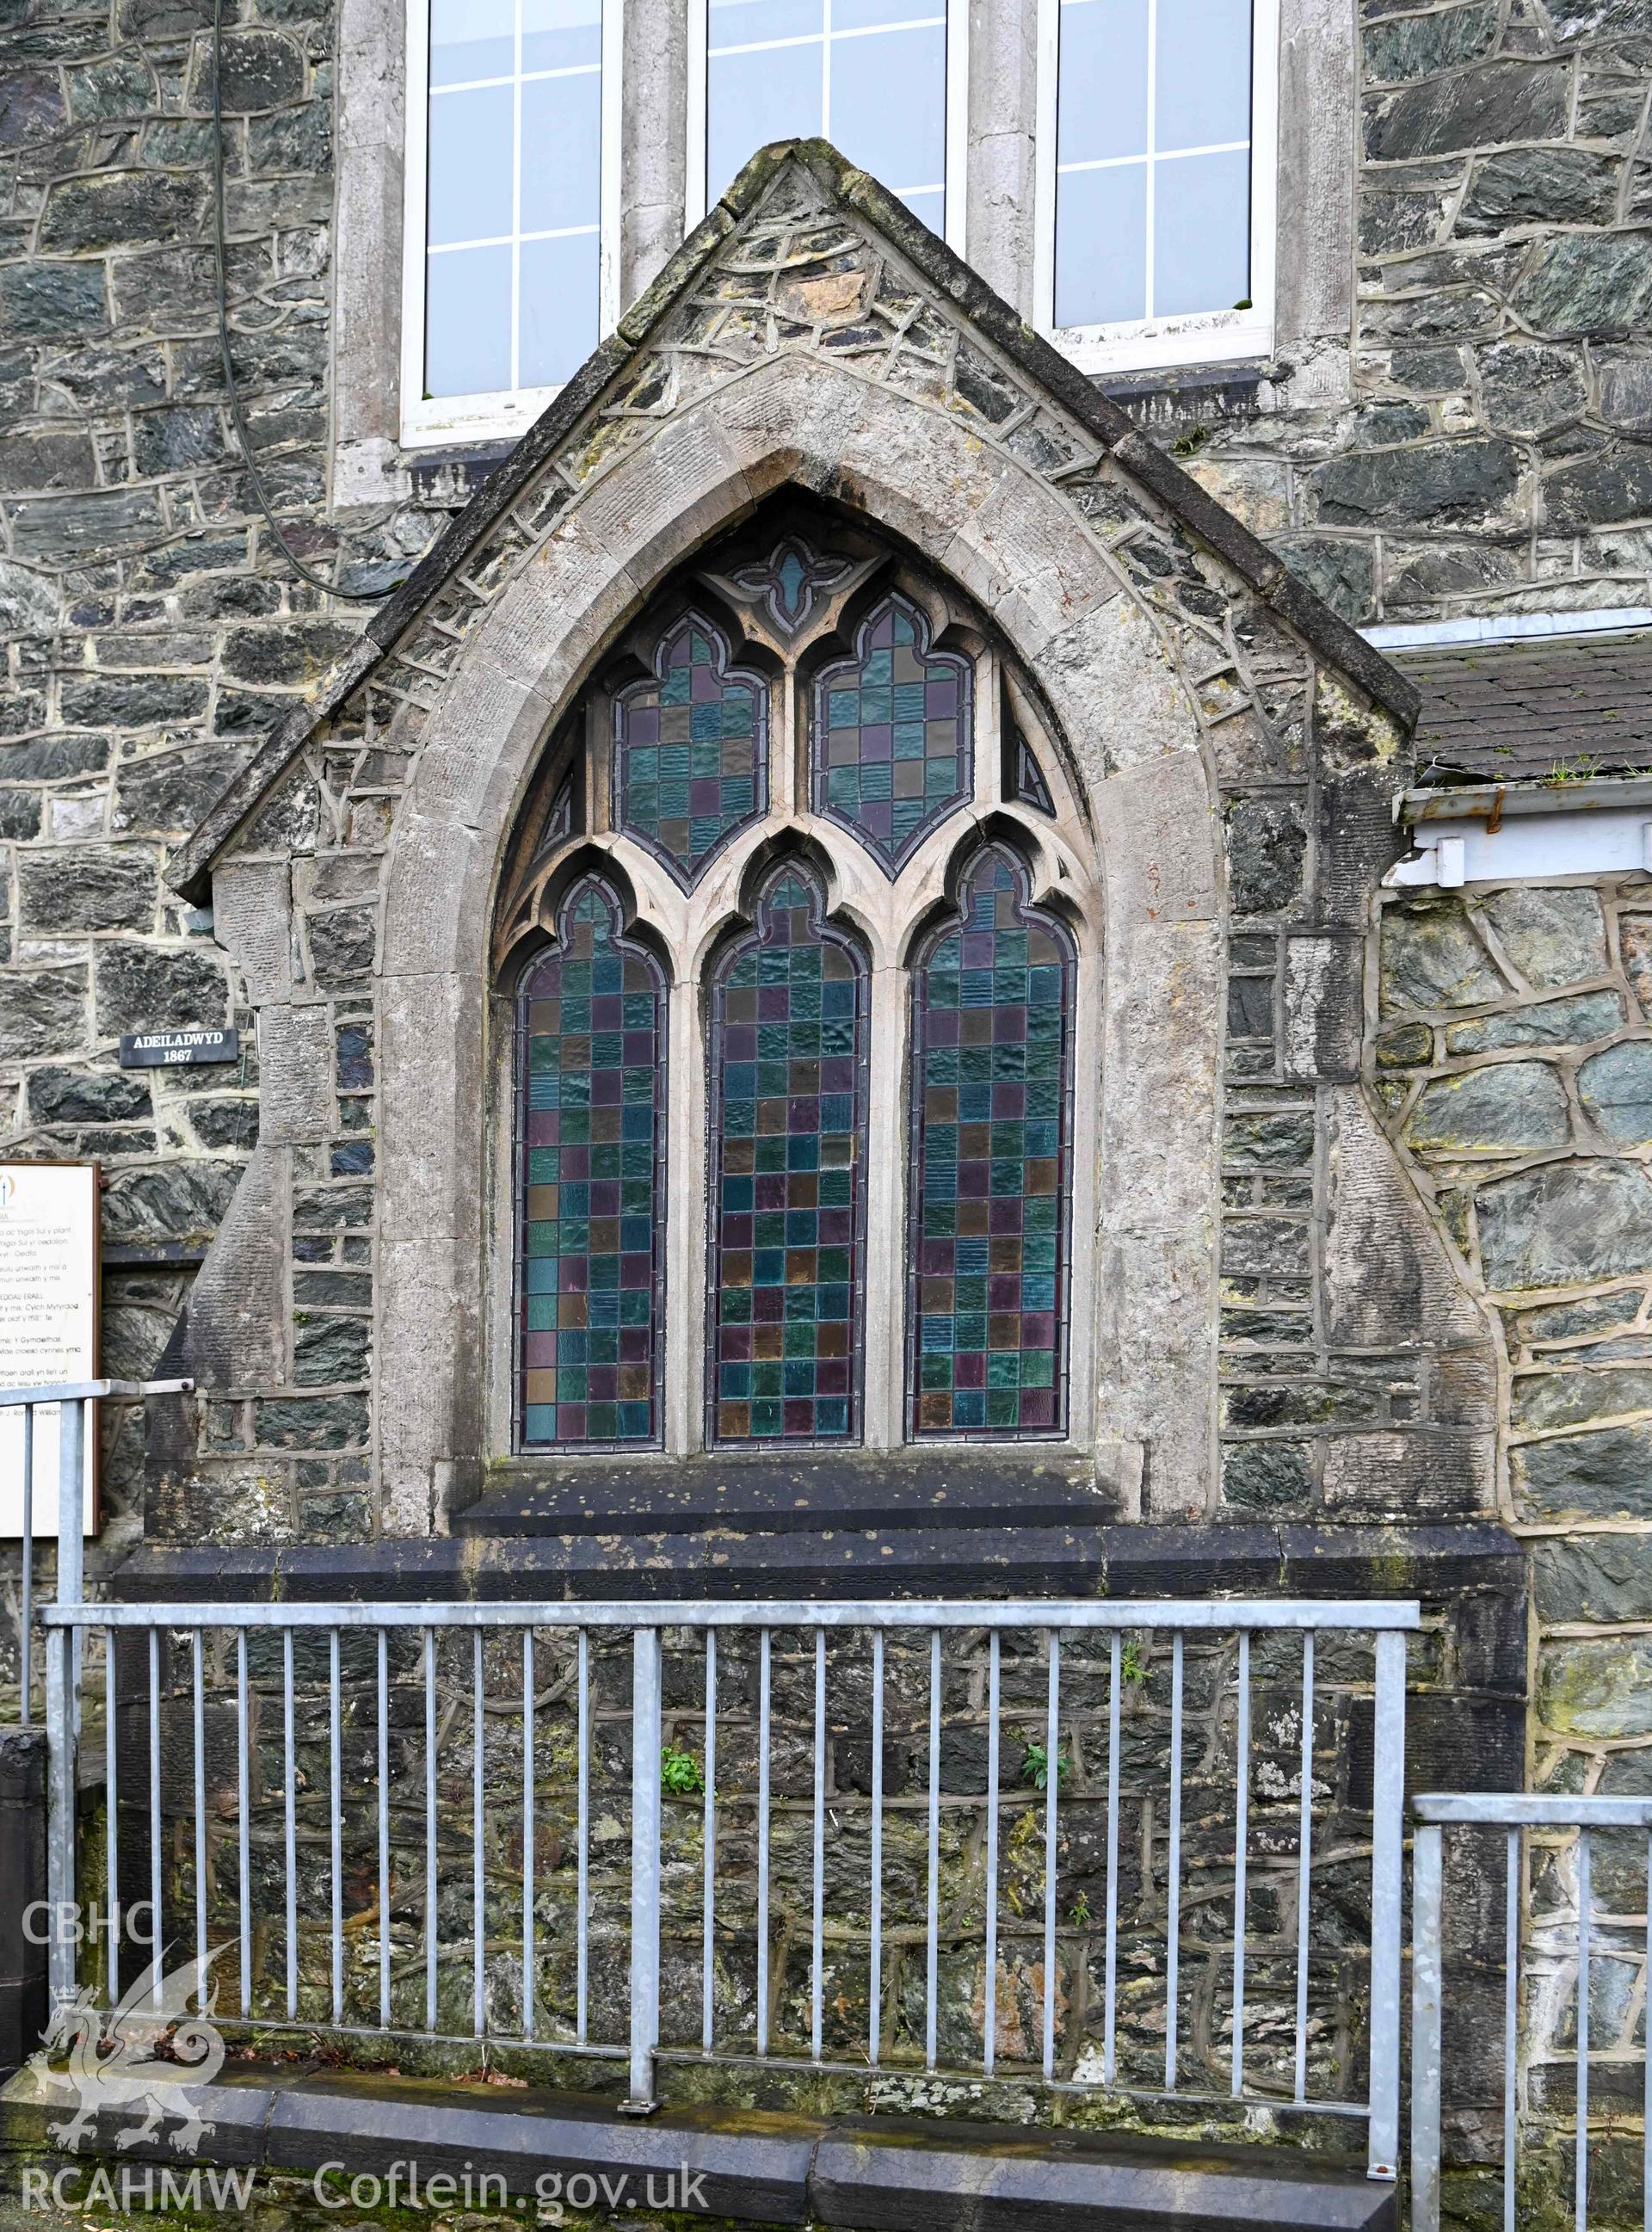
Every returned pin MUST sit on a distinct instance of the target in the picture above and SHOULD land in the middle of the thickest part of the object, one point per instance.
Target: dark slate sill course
(866, 2174)
(1130, 1560)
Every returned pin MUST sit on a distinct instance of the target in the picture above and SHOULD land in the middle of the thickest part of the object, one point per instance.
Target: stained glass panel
(892, 738)
(592, 1046)
(690, 755)
(787, 1211)
(992, 1025)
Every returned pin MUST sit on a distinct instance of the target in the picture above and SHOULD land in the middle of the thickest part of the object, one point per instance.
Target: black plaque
(175, 1049)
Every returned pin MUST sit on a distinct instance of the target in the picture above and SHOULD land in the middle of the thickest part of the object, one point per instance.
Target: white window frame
(1208, 337)
(428, 422)
(958, 118)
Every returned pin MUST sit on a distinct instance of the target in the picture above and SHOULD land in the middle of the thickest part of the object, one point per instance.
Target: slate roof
(954, 281)
(1522, 711)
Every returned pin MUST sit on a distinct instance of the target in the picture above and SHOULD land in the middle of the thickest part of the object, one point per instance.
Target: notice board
(48, 1323)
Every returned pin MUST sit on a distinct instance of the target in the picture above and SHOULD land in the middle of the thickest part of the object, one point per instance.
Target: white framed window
(511, 230)
(1156, 154)
(885, 81)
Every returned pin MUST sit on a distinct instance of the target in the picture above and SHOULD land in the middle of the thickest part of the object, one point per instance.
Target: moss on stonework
(1351, 733)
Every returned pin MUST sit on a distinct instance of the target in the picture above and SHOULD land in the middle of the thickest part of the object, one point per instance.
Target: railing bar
(530, 1934)
(478, 1889)
(817, 1963)
(289, 1794)
(708, 1852)
(156, 1941)
(27, 1639)
(1304, 1868)
(335, 1781)
(243, 1830)
(762, 1841)
(646, 1857)
(112, 1818)
(431, 1875)
(1585, 1857)
(875, 1994)
(932, 1902)
(1183, 1616)
(1511, 1809)
(1241, 1833)
(1110, 1986)
(989, 2008)
(1426, 1875)
(582, 1928)
(199, 1717)
(1388, 1868)
(1051, 1794)
(1173, 1872)
(1511, 2031)
(384, 1830)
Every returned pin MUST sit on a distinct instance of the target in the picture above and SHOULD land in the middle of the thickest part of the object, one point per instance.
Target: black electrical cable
(305, 572)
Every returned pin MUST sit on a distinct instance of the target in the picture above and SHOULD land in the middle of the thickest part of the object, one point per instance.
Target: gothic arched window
(809, 808)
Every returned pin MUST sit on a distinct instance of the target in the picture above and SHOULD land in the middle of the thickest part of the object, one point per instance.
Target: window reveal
(891, 743)
(691, 756)
(592, 1049)
(991, 1143)
(788, 1210)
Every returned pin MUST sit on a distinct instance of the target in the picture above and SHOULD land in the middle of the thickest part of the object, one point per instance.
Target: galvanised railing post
(1427, 1884)
(1388, 1862)
(63, 1705)
(644, 1866)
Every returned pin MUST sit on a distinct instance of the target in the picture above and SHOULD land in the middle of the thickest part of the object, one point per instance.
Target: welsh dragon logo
(112, 2061)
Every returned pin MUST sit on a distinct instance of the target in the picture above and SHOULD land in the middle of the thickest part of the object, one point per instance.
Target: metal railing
(1556, 1943)
(297, 1761)
(73, 1402)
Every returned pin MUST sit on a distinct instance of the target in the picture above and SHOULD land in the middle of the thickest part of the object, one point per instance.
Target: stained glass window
(592, 1048)
(690, 752)
(787, 1212)
(891, 734)
(992, 1010)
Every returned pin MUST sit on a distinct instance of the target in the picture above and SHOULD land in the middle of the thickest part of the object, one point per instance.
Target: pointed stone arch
(1018, 546)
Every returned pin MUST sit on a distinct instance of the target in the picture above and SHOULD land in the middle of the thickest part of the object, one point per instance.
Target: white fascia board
(1527, 833)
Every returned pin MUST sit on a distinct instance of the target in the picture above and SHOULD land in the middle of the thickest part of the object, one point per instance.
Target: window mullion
(886, 1134)
(685, 1227)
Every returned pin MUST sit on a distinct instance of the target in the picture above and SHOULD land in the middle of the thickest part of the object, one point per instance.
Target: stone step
(860, 2174)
